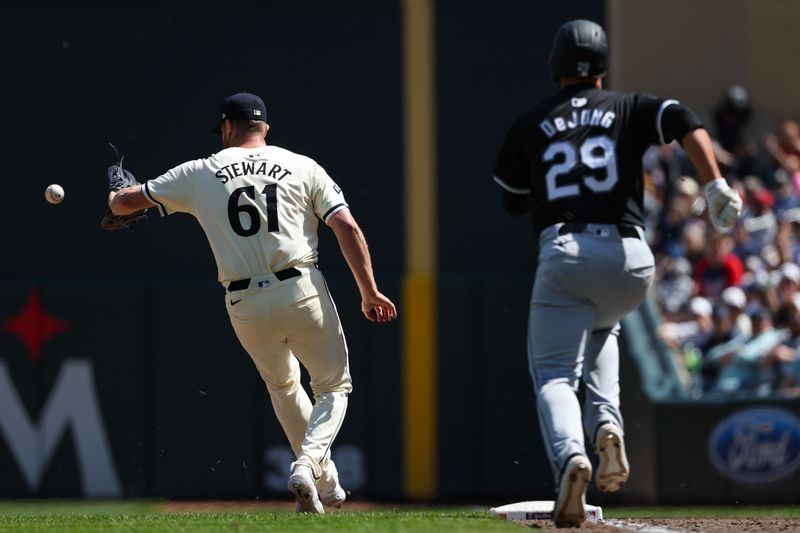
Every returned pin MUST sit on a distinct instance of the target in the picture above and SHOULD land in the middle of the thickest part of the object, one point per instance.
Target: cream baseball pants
(282, 324)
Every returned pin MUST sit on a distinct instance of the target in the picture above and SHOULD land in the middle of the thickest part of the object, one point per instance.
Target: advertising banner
(158, 399)
(744, 452)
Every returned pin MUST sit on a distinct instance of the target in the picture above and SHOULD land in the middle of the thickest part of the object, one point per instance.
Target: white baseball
(54, 193)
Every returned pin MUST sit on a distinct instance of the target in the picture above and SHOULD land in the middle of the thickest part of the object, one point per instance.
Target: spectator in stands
(719, 268)
(693, 239)
(739, 155)
(744, 246)
(695, 325)
(675, 285)
(786, 197)
(787, 279)
(736, 301)
(731, 117)
(722, 333)
(787, 239)
(679, 210)
(785, 147)
(759, 290)
(757, 217)
(785, 355)
(665, 164)
(784, 242)
(748, 366)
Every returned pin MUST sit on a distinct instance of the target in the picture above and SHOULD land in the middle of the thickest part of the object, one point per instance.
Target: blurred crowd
(730, 301)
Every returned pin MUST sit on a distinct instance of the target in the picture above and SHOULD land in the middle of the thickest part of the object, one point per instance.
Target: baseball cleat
(331, 493)
(570, 508)
(334, 497)
(304, 490)
(613, 468)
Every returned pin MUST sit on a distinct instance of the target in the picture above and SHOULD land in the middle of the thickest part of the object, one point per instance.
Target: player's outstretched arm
(697, 144)
(724, 204)
(128, 200)
(678, 122)
(375, 306)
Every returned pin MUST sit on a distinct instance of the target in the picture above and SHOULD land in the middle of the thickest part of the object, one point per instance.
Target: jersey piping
(509, 188)
(161, 209)
(332, 211)
(661, 109)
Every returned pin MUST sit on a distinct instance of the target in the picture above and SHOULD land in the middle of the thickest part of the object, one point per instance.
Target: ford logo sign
(756, 445)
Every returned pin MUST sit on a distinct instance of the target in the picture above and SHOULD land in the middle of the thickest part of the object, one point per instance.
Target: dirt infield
(669, 525)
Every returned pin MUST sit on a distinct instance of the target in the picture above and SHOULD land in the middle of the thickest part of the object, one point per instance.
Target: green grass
(71, 516)
(370, 521)
(147, 517)
(32, 508)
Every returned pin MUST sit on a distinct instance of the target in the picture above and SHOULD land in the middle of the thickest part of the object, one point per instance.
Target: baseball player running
(259, 206)
(574, 163)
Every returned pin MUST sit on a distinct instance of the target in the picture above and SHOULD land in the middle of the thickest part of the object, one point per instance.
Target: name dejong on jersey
(586, 117)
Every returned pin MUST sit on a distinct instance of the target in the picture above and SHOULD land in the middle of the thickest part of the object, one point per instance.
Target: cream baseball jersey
(259, 206)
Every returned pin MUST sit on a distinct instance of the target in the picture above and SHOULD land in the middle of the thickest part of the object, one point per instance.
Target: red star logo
(33, 326)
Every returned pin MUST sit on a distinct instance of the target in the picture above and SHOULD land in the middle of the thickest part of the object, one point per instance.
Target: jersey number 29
(235, 210)
(595, 152)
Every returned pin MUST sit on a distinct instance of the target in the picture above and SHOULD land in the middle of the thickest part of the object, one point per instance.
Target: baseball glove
(119, 178)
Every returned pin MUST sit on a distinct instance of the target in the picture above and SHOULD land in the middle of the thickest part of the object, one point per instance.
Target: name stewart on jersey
(586, 117)
(251, 168)
(260, 206)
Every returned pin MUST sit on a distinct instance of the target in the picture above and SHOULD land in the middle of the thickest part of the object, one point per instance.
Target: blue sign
(756, 445)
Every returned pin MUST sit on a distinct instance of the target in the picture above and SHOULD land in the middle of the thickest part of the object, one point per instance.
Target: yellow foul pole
(419, 284)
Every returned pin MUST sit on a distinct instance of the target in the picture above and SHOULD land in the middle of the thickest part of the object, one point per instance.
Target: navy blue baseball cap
(242, 105)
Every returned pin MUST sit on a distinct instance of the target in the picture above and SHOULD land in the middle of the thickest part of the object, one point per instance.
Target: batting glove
(724, 204)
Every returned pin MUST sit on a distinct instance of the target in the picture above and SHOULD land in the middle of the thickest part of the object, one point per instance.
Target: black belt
(625, 230)
(282, 275)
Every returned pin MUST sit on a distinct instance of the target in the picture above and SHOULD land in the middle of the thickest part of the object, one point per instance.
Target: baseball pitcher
(259, 206)
(574, 162)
